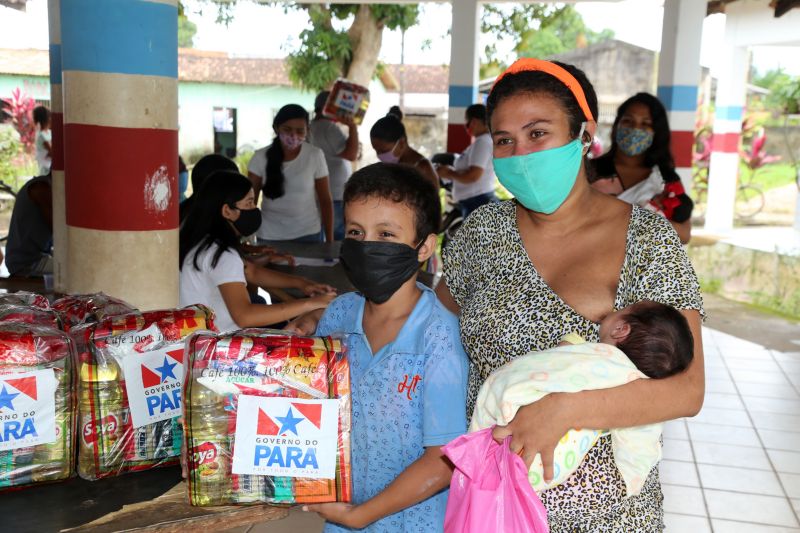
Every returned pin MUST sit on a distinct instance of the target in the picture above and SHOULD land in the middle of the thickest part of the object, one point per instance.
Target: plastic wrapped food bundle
(129, 389)
(347, 99)
(267, 418)
(27, 314)
(79, 309)
(24, 298)
(37, 405)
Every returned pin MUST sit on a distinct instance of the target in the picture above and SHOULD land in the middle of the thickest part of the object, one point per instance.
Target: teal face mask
(541, 181)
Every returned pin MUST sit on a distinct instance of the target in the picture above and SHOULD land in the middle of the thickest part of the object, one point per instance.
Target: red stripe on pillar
(121, 179)
(725, 142)
(457, 138)
(57, 127)
(682, 144)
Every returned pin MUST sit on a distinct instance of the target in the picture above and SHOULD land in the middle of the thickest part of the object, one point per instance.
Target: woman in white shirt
(212, 271)
(297, 203)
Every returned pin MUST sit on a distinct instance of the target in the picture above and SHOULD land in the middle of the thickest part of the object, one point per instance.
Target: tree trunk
(365, 35)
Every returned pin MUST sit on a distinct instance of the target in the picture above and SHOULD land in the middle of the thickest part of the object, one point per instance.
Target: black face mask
(248, 222)
(377, 269)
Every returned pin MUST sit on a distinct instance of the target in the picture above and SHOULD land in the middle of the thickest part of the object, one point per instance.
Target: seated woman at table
(293, 174)
(212, 270)
(388, 137)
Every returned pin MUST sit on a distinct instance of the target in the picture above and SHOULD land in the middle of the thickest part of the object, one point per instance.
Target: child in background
(644, 340)
(408, 368)
(44, 136)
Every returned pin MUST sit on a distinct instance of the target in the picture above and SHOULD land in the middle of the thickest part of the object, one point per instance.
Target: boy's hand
(311, 288)
(345, 514)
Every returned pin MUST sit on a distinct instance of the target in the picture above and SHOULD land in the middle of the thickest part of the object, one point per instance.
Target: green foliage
(537, 30)
(325, 51)
(186, 32)
(10, 148)
(784, 96)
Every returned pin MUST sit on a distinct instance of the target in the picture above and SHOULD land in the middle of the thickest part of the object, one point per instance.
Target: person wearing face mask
(557, 259)
(388, 137)
(407, 366)
(639, 168)
(212, 270)
(473, 173)
(293, 175)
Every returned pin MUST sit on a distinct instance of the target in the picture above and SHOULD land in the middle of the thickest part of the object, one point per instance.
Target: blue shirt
(409, 395)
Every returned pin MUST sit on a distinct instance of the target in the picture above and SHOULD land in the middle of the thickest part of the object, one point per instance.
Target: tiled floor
(736, 465)
(733, 468)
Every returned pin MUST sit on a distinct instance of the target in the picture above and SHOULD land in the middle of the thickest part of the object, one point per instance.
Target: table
(154, 500)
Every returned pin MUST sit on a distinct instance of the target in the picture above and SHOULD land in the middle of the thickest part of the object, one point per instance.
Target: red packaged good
(26, 314)
(293, 394)
(37, 405)
(30, 299)
(129, 389)
(79, 309)
(347, 99)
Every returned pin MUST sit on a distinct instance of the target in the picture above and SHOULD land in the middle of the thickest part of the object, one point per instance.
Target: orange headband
(529, 64)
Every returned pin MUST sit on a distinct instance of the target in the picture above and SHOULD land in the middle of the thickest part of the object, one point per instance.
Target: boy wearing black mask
(408, 368)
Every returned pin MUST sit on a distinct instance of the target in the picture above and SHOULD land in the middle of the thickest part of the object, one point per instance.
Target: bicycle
(749, 202)
(7, 198)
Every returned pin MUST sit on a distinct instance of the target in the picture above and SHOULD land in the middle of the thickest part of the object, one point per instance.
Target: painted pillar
(723, 172)
(679, 76)
(464, 70)
(120, 68)
(57, 145)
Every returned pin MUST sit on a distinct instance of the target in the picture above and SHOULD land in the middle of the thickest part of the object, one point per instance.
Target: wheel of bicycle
(700, 198)
(750, 201)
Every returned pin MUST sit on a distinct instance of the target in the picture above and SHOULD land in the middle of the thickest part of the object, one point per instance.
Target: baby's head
(654, 336)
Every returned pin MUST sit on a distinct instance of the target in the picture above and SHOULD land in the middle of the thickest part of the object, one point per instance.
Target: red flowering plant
(20, 110)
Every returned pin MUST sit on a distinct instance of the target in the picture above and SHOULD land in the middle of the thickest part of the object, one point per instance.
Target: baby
(644, 340)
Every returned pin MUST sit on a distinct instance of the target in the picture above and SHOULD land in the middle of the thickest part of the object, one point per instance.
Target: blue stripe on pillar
(462, 95)
(678, 97)
(123, 37)
(731, 112)
(55, 64)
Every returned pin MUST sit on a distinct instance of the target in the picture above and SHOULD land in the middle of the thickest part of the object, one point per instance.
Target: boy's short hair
(41, 115)
(401, 184)
(477, 112)
(660, 342)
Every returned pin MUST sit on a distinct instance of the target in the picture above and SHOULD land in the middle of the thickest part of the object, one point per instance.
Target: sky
(261, 31)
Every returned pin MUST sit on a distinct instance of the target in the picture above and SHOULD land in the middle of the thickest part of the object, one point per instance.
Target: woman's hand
(311, 288)
(536, 429)
(345, 514)
(321, 301)
(305, 324)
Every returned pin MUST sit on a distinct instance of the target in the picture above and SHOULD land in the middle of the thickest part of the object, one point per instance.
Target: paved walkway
(736, 466)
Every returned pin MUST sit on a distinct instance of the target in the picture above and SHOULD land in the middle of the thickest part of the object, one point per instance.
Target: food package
(30, 299)
(79, 309)
(347, 99)
(129, 389)
(37, 405)
(267, 418)
(28, 314)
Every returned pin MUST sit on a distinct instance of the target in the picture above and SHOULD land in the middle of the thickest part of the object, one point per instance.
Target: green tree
(784, 90)
(344, 39)
(186, 31)
(537, 30)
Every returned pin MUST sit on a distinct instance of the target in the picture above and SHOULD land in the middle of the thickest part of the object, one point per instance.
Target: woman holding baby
(522, 274)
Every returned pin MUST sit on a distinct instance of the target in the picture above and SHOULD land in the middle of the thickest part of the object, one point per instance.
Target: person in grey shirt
(340, 150)
(30, 234)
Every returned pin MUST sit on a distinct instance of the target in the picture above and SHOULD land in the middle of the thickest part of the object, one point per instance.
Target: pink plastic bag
(490, 492)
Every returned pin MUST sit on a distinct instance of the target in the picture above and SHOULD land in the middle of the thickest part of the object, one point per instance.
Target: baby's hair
(401, 184)
(660, 342)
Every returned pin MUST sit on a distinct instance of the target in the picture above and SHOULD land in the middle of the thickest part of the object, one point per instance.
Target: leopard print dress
(508, 310)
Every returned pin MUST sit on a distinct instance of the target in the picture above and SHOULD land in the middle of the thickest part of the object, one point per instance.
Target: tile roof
(219, 67)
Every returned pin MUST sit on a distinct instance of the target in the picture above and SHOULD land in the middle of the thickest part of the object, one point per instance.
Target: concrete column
(724, 166)
(679, 76)
(120, 68)
(464, 70)
(57, 145)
